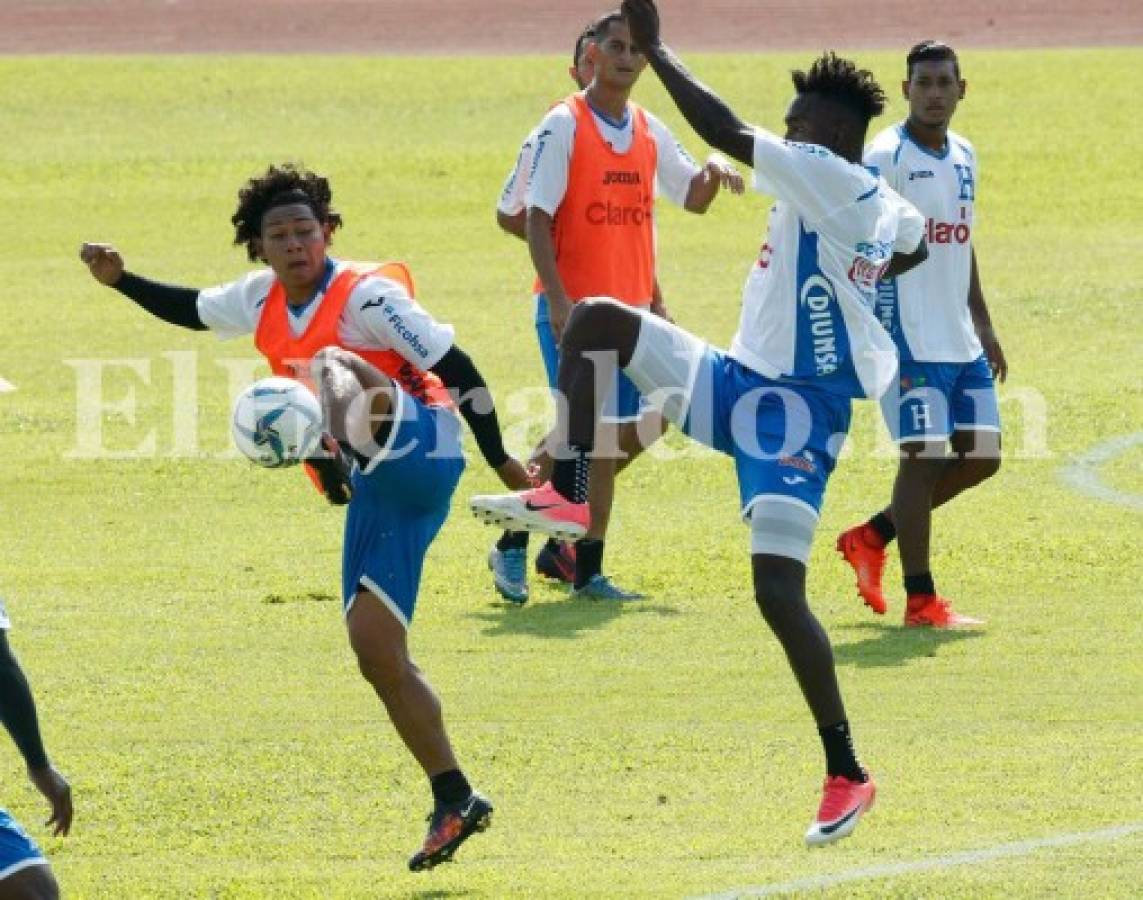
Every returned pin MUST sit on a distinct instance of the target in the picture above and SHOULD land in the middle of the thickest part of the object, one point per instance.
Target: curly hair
(280, 186)
(839, 80)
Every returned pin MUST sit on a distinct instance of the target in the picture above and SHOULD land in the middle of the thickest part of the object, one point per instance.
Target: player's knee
(383, 667)
(598, 323)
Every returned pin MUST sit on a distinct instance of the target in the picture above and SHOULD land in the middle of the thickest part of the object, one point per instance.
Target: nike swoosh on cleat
(830, 829)
(532, 507)
(467, 810)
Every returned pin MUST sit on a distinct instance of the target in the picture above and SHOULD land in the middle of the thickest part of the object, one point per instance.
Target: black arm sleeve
(18, 709)
(177, 305)
(458, 372)
(706, 112)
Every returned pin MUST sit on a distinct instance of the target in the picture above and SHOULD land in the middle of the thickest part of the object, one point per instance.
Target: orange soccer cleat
(863, 549)
(932, 611)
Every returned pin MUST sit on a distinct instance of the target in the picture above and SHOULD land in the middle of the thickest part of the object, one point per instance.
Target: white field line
(6, 387)
(967, 858)
(1083, 472)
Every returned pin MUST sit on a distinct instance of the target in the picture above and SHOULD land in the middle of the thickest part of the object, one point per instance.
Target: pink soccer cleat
(542, 509)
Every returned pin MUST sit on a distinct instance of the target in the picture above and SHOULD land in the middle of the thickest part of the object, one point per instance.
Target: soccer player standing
(949, 350)
(597, 160)
(386, 372)
(779, 401)
(24, 871)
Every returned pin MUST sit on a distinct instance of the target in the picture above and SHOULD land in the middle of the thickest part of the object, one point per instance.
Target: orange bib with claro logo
(291, 356)
(604, 231)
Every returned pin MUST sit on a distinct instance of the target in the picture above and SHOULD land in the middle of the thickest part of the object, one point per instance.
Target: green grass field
(175, 610)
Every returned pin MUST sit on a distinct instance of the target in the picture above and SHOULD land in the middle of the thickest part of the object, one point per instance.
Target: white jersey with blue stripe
(808, 304)
(926, 309)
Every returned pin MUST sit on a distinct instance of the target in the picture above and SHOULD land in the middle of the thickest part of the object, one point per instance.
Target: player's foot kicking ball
(863, 549)
(542, 509)
(931, 611)
(450, 826)
(557, 561)
(843, 804)
(509, 573)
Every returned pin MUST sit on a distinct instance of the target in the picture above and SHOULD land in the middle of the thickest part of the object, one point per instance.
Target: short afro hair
(931, 51)
(839, 80)
(280, 185)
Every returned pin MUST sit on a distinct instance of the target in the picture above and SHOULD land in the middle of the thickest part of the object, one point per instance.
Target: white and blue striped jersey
(808, 303)
(926, 309)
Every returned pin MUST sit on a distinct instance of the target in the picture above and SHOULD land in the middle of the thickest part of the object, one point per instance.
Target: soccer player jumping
(779, 400)
(949, 350)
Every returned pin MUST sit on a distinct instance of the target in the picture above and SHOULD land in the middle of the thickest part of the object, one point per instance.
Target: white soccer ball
(276, 422)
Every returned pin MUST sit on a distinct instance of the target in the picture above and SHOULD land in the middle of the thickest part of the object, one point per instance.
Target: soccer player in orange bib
(593, 166)
(386, 372)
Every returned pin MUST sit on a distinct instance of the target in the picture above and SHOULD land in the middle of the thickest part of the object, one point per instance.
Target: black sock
(450, 787)
(588, 560)
(884, 526)
(552, 546)
(840, 758)
(570, 476)
(513, 540)
(920, 584)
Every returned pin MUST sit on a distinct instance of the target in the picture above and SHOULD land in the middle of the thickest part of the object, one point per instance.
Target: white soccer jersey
(514, 194)
(926, 309)
(552, 150)
(379, 315)
(808, 304)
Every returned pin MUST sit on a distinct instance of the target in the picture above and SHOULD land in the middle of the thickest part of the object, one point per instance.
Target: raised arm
(171, 303)
(707, 114)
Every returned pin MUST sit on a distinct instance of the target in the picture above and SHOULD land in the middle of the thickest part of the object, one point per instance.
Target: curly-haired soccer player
(386, 372)
(779, 400)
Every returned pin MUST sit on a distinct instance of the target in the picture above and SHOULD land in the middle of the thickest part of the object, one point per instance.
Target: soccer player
(779, 401)
(24, 872)
(596, 162)
(949, 350)
(385, 371)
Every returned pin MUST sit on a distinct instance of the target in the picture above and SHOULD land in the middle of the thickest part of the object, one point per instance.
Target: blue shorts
(783, 436)
(936, 399)
(623, 404)
(17, 850)
(400, 501)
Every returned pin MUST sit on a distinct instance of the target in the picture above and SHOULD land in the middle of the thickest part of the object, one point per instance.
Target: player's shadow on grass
(894, 645)
(562, 618)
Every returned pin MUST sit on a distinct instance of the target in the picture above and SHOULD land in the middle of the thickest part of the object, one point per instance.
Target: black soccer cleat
(332, 468)
(450, 826)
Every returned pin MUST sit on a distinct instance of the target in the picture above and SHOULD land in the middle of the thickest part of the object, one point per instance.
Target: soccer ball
(276, 422)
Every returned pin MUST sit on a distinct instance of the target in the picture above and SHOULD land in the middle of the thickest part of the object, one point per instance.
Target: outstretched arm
(177, 305)
(18, 712)
(457, 370)
(707, 114)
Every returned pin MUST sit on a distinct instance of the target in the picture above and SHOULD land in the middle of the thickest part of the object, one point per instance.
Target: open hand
(55, 788)
(994, 353)
(643, 21)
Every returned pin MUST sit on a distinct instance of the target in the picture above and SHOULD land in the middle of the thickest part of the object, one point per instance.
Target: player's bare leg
(848, 792)
(379, 640)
